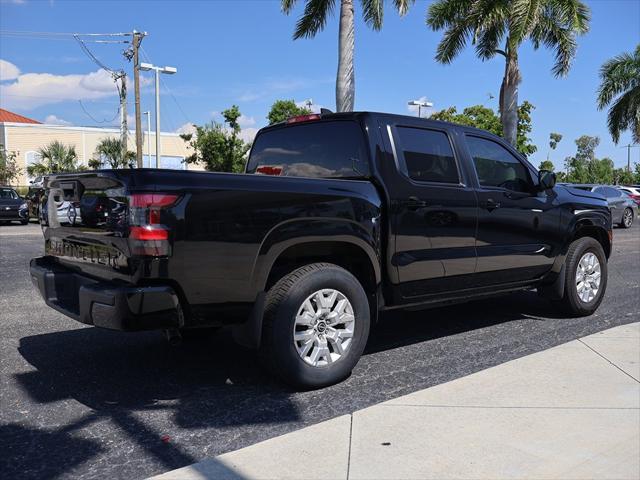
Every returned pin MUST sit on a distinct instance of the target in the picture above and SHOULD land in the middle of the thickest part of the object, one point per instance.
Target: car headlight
(24, 205)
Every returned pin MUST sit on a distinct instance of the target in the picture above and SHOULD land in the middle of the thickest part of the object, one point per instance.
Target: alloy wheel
(588, 275)
(323, 328)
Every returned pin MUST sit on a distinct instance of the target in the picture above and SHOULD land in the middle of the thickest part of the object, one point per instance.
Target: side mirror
(546, 180)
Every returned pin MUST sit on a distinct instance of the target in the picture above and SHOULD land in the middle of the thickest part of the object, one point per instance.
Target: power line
(33, 33)
(95, 59)
(94, 119)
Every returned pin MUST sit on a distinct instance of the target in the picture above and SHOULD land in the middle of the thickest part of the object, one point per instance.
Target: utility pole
(135, 43)
(122, 91)
(629, 158)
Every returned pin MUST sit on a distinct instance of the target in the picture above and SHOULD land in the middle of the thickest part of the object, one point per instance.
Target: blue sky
(241, 52)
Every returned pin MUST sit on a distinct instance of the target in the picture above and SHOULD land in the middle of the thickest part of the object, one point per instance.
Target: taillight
(304, 118)
(147, 234)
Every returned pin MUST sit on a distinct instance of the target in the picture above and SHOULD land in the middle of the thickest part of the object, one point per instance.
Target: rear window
(314, 149)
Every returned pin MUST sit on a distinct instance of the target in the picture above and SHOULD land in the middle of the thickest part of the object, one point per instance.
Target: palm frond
(402, 6)
(373, 12)
(618, 75)
(287, 5)
(453, 41)
(624, 114)
(314, 18)
(524, 16)
(445, 13)
(490, 39)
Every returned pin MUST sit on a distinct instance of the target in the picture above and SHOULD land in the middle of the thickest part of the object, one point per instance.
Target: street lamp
(148, 114)
(170, 71)
(420, 104)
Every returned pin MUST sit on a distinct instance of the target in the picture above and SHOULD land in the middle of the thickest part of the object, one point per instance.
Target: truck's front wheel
(586, 277)
(316, 325)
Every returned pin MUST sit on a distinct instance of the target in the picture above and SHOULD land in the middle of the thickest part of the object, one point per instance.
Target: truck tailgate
(86, 223)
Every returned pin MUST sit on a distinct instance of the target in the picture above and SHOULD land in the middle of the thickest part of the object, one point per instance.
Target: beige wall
(26, 138)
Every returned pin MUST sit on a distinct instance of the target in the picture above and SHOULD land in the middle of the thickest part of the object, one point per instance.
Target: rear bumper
(104, 304)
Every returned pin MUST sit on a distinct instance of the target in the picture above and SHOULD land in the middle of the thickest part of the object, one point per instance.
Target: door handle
(491, 204)
(413, 203)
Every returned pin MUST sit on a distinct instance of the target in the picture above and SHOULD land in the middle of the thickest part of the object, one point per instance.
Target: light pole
(420, 104)
(148, 114)
(158, 70)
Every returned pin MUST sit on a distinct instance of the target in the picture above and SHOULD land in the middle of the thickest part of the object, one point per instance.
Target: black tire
(24, 222)
(627, 218)
(571, 302)
(284, 299)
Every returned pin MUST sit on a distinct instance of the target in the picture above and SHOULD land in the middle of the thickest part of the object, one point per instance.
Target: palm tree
(109, 150)
(620, 84)
(55, 158)
(313, 20)
(500, 27)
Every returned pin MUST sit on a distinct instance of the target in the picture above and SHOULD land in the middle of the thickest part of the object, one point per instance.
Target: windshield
(8, 193)
(314, 149)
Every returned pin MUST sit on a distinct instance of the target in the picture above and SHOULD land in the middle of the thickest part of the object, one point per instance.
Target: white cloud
(8, 71)
(425, 112)
(53, 120)
(278, 87)
(186, 128)
(245, 121)
(248, 134)
(32, 90)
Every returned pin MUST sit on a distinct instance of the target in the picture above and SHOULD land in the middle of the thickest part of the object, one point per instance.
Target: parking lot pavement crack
(605, 358)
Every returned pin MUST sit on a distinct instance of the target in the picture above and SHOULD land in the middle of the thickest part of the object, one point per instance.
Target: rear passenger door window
(497, 167)
(428, 155)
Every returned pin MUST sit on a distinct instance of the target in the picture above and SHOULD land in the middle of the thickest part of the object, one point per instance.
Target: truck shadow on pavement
(147, 388)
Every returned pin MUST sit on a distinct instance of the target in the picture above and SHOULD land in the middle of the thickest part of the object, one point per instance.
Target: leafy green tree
(55, 158)
(622, 176)
(547, 165)
(482, 117)
(9, 169)
(578, 165)
(313, 20)
(109, 150)
(554, 140)
(281, 110)
(219, 146)
(585, 167)
(500, 27)
(620, 88)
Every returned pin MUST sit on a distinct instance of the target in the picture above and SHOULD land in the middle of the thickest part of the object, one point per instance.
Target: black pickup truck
(337, 217)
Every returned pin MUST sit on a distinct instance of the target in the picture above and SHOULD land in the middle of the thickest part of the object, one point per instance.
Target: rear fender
(312, 231)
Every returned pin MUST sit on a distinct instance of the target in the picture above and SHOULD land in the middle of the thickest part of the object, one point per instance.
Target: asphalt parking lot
(87, 403)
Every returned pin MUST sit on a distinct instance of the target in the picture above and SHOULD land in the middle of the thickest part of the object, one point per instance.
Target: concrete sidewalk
(570, 412)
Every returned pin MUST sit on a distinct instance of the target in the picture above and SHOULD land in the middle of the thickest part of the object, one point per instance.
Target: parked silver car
(623, 209)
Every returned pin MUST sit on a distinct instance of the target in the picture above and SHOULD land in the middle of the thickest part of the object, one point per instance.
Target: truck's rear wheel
(316, 325)
(586, 277)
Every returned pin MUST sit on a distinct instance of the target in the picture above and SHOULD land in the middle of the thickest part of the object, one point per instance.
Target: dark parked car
(13, 207)
(623, 209)
(338, 217)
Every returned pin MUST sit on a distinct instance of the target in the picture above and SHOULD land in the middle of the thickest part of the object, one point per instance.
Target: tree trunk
(509, 98)
(345, 81)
